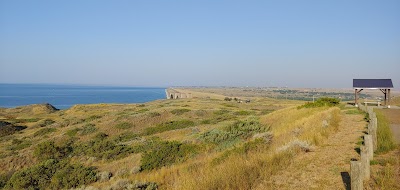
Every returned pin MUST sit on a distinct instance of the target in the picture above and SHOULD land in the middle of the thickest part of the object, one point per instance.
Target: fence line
(361, 170)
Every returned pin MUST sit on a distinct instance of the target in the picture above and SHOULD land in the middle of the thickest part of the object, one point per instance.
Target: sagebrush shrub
(235, 131)
(48, 150)
(166, 153)
(52, 174)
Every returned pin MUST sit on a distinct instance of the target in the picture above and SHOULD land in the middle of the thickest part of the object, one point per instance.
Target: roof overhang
(372, 83)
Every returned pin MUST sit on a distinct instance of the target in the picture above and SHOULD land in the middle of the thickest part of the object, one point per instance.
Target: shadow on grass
(358, 150)
(346, 180)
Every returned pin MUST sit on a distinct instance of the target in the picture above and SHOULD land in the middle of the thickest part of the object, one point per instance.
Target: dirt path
(328, 166)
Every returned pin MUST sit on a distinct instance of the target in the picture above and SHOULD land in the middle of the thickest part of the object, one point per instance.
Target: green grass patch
(154, 114)
(27, 120)
(18, 144)
(166, 153)
(354, 112)
(229, 105)
(143, 110)
(385, 137)
(172, 125)
(124, 125)
(44, 131)
(243, 112)
(266, 111)
(221, 112)
(88, 129)
(72, 132)
(233, 133)
(46, 122)
(92, 118)
(179, 111)
(321, 102)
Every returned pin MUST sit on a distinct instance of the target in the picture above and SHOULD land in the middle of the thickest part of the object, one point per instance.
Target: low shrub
(166, 153)
(172, 125)
(126, 184)
(102, 147)
(72, 132)
(52, 174)
(4, 179)
(72, 175)
(179, 111)
(227, 99)
(234, 132)
(49, 150)
(44, 131)
(321, 102)
(88, 129)
(124, 125)
(127, 136)
(147, 145)
(104, 176)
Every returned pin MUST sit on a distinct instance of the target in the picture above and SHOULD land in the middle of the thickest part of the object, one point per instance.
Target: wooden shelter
(384, 85)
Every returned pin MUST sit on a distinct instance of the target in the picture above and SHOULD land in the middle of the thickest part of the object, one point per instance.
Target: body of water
(65, 96)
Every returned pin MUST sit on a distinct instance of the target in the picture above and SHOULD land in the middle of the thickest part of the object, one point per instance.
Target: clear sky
(307, 43)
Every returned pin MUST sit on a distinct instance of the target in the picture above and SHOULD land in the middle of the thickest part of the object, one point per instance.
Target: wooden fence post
(374, 128)
(369, 146)
(365, 165)
(355, 175)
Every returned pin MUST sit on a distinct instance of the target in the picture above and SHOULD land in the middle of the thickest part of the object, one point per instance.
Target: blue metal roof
(372, 83)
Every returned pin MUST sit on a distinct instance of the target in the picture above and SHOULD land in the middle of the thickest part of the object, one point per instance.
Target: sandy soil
(328, 166)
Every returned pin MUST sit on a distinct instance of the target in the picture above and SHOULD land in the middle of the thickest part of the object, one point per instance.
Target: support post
(388, 98)
(365, 166)
(385, 97)
(355, 175)
(369, 146)
(374, 127)
(355, 98)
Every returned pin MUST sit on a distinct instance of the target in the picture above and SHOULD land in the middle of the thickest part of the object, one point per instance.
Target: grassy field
(199, 143)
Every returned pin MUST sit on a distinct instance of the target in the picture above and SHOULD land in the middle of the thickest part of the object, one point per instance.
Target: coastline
(66, 96)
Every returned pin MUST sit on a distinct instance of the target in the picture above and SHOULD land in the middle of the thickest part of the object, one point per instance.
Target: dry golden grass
(234, 171)
(245, 171)
(395, 101)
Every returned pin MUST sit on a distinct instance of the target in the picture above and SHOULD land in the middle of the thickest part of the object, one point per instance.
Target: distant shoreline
(66, 96)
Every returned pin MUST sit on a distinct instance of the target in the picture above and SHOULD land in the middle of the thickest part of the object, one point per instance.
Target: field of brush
(201, 143)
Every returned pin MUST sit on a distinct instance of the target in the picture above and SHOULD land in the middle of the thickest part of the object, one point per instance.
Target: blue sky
(308, 43)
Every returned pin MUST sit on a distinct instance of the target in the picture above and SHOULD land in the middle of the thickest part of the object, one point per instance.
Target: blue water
(65, 96)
